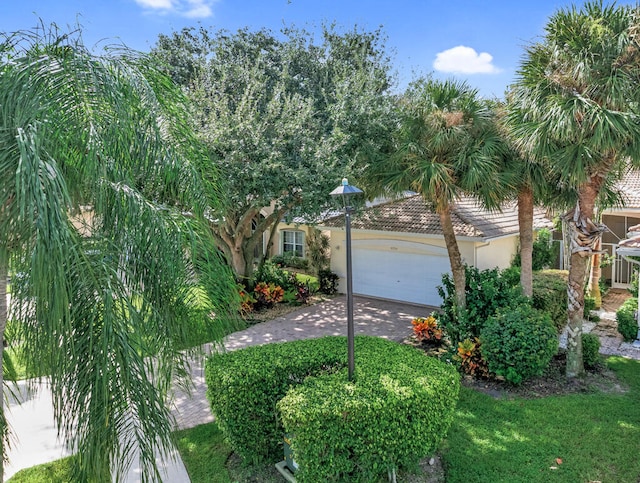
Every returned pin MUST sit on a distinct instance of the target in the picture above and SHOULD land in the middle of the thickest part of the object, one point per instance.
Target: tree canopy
(285, 117)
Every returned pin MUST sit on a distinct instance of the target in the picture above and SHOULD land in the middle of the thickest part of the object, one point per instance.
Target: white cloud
(183, 8)
(464, 60)
(155, 4)
(198, 9)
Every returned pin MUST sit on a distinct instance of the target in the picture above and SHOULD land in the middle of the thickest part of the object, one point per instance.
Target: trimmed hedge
(243, 387)
(627, 324)
(550, 295)
(518, 343)
(396, 412)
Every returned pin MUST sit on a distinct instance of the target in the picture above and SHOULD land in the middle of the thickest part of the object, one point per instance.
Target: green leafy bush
(328, 282)
(544, 251)
(627, 323)
(397, 410)
(243, 387)
(270, 273)
(550, 295)
(290, 260)
(486, 290)
(518, 343)
(590, 350)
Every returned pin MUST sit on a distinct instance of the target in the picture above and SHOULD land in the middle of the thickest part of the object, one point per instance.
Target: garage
(398, 270)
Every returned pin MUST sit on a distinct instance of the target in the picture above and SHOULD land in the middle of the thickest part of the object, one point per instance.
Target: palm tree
(576, 109)
(447, 146)
(97, 173)
(532, 185)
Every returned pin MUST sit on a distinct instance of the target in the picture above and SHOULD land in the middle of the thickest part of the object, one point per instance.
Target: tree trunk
(581, 249)
(594, 279)
(3, 324)
(455, 259)
(525, 222)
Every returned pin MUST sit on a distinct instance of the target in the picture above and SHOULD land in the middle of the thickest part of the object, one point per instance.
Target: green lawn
(596, 437)
(575, 438)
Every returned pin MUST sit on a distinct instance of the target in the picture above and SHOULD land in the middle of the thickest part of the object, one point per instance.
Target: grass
(204, 453)
(575, 438)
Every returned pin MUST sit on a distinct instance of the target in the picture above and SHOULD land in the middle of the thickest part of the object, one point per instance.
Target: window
(293, 242)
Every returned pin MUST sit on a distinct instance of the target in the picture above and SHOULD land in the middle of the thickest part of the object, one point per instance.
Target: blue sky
(480, 41)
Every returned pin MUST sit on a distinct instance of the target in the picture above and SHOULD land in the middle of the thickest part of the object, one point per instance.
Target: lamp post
(346, 192)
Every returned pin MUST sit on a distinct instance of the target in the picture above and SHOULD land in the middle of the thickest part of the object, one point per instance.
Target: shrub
(469, 358)
(544, 252)
(247, 301)
(290, 260)
(590, 350)
(486, 290)
(519, 343)
(397, 412)
(268, 294)
(328, 282)
(627, 323)
(550, 295)
(426, 330)
(243, 387)
(269, 272)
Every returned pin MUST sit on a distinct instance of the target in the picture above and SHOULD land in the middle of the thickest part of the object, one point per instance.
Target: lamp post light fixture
(346, 191)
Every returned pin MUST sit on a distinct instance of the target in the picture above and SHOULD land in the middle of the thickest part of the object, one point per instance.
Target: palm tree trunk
(455, 259)
(3, 325)
(525, 222)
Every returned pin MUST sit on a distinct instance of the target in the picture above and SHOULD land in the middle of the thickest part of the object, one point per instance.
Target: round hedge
(395, 412)
(518, 343)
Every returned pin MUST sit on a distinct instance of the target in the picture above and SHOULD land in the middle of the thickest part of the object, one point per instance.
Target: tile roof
(411, 215)
(630, 187)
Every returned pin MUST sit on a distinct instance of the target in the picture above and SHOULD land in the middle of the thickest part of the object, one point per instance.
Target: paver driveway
(390, 320)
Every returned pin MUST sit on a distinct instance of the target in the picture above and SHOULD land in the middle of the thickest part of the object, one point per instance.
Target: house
(618, 221)
(399, 252)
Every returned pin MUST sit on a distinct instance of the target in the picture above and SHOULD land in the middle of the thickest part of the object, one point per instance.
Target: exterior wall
(497, 253)
(276, 243)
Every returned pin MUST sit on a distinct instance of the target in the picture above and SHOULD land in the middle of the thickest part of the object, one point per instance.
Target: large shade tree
(102, 224)
(285, 117)
(447, 146)
(576, 109)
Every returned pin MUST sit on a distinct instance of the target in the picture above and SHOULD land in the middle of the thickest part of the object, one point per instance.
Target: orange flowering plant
(470, 358)
(426, 329)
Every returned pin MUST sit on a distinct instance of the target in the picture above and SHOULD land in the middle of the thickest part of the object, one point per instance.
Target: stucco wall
(497, 253)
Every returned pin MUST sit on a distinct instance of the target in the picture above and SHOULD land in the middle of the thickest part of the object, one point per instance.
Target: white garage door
(410, 272)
